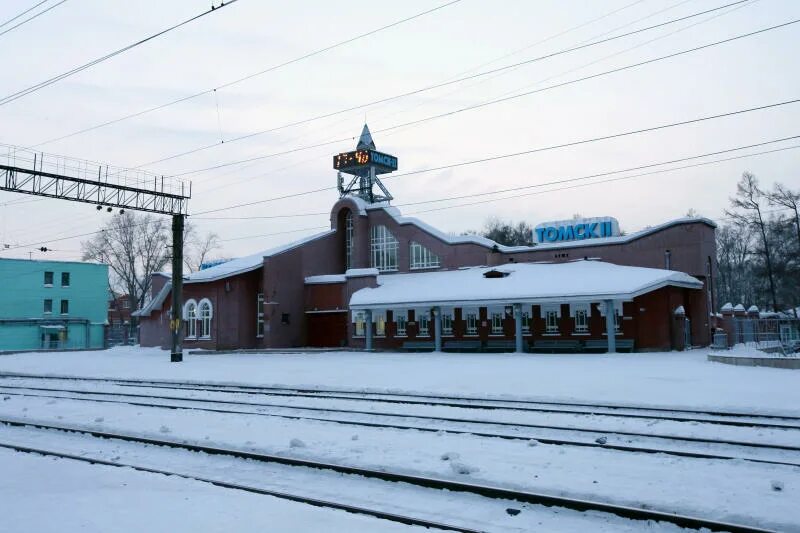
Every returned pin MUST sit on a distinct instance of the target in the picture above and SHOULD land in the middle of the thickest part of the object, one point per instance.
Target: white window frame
(260, 315)
(618, 314)
(447, 322)
(581, 312)
(384, 248)
(205, 312)
(471, 320)
(422, 257)
(349, 234)
(526, 322)
(423, 318)
(496, 317)
(401, 322)
(190, 316)
(359, 323)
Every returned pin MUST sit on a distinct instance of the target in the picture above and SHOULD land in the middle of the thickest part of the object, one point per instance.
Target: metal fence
(771, 335)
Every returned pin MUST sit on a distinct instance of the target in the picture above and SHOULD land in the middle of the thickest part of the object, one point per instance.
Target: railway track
(591, 443)
(636, 412)
(442, 484)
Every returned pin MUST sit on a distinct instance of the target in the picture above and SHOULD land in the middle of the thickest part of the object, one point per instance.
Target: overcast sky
(466, 37)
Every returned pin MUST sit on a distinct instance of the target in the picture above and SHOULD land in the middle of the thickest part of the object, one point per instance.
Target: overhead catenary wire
(436, 86)
(42, 84)
(528, 152)
(716, 15)
(567, 180)
(249, 76)
(32, 17)
(12, 19)
(482, 104)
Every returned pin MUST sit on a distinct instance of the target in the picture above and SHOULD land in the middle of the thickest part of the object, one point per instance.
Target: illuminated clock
(359, 161)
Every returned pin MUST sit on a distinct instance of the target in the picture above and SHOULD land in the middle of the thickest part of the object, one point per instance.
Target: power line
(33, 88)
(487, 103)
(556, 182)
(432, 87)
(575, 186)
(249, 76)
(37, 15)
(488, 193)
(527, 152)
(12, 19)
(272, 172)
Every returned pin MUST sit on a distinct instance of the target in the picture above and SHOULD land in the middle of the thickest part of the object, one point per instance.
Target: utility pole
(176, 323)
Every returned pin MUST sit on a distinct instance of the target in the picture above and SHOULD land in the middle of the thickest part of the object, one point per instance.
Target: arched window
(383, 249)
(190, 316)
(349, 232)
(205, 313)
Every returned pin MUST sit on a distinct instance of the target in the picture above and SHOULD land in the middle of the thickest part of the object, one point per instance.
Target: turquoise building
(52, 305)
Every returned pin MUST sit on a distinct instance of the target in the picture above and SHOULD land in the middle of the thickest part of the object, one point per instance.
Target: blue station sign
(576, 230)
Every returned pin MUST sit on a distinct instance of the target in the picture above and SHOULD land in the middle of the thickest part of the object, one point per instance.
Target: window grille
(422, 257)
(383, 249)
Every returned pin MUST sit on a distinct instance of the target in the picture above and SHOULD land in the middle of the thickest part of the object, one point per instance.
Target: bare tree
(134, 247)
(198, 248)
(785, 197)
(747, 210)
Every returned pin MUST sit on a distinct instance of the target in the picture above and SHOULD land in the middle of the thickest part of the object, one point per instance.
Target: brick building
(368, 269)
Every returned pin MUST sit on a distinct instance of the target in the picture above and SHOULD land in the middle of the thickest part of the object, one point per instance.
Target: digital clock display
(358, 159)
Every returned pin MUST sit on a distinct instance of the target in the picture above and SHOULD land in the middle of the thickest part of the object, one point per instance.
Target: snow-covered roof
(392, 211)
(247, 263)
(522, 282)
(154, 303)
(739, 307)
(727, 307)
(752, 309)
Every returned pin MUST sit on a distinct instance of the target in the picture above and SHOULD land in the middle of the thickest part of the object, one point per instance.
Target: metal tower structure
(365, 163)
(64, 178)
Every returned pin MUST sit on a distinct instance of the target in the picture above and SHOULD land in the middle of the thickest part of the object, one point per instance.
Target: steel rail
(505, 436)
(322, 393)
(489, 491)
(412, 521)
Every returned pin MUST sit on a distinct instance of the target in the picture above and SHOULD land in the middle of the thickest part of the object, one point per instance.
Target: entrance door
(327, 330)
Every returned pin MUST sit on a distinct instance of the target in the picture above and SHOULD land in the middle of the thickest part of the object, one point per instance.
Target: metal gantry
(54, 176)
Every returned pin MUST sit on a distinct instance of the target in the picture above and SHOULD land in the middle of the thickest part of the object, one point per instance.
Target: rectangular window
(64, 307)
(260, 314)
(551, 321)
(126, 304)
(380, 324)
(581, 321)
(447, 323)
(422, 257)
(424, 322)
(526, 322)
(616, 320)
(497, 323)
(65, 279)
(48, 279)
(360, 325)
(383, 249)
(48, 306)
(472, 323)
(401, 321)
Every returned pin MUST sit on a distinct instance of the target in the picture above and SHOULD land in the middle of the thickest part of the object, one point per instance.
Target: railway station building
(380, 280)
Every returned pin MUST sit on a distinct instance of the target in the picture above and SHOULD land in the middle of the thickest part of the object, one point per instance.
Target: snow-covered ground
(684, 379)
(49, 495)
(731, 490)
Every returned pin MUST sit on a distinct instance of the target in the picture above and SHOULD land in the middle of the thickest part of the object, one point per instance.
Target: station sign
(576, 230)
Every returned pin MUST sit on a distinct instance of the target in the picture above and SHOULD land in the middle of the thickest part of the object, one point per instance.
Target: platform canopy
(535, 283)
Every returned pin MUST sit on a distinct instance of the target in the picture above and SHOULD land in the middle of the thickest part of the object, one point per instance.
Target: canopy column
(610, 329)
(518, 328)
(368, 329)
(437, 329)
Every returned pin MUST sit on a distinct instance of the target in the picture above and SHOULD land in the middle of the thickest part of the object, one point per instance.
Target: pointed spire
(365, 142)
